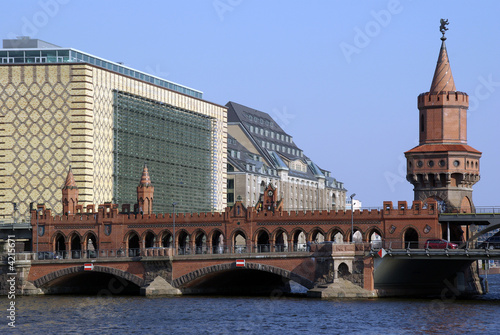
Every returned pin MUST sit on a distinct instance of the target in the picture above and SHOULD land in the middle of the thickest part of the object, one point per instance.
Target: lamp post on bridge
(173, 205)
(352, 217)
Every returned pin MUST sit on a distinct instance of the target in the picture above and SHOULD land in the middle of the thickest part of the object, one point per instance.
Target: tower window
(422, 123)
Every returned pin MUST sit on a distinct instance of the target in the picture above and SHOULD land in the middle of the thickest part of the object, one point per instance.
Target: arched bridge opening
(101, 281)
(252, 280)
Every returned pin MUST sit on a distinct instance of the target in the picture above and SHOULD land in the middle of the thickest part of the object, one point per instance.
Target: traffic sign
(88, 267)
(382, 253)
(240, 263)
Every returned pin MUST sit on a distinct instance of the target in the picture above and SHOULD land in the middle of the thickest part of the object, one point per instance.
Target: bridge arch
(358, 234)
(165, 238)
(89, 236)
(374, 235)
(410, 237)
(47, 279)
(486, 230)
(279, 237)
(239, 240)
(188, 278)
(333, 235)
(148, 239)
(466, 205)
(316, 235)
(299, 239)
(131, 235)
(59, 241)
(182, 242)
(262, 239)
(216, 237)
(200, 240)
(75, 244)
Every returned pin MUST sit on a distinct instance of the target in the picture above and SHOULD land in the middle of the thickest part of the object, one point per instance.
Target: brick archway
(189, 277)
(97, 268)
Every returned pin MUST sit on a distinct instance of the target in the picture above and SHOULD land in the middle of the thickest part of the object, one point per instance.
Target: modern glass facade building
(48, 53)
(161, 134)
(61, 108)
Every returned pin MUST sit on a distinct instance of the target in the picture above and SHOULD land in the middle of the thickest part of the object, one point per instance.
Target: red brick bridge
(198, 252)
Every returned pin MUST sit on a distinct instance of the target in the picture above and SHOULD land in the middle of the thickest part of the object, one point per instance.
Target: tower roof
(443, 79)
(145, 180)
(70, 180)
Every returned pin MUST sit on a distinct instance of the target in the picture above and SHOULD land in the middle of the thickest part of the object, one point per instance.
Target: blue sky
(342, 77)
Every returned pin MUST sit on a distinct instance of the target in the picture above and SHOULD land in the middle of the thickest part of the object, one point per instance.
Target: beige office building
(61, 107)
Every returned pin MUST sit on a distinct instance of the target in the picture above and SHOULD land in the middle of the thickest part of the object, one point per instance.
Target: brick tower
(443, 167)
(70, 194)
(145, 192)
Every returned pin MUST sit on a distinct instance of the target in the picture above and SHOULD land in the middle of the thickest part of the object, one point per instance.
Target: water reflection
(245, 315)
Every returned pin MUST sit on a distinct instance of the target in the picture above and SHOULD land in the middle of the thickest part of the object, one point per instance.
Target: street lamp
(352, 216)
(37, 231)
(173, 205)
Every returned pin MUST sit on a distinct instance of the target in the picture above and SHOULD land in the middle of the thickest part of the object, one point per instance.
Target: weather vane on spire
(443, 28)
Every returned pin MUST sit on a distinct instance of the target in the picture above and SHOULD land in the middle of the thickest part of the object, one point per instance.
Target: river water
(250, 315)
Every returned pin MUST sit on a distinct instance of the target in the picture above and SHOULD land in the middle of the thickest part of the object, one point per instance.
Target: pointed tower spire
(145, 179)
(70, 180)
(443, 79)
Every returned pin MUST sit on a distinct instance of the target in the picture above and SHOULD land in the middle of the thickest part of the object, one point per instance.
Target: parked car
(491, 243)
(440, 244)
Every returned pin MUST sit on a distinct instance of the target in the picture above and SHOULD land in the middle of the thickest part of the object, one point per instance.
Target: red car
(440, 244)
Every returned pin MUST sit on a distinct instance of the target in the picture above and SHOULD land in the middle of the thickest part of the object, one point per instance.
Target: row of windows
(263, 169)
(272, 134)
(234, 153)
(442, 163)
(260, 120)
(281, 148)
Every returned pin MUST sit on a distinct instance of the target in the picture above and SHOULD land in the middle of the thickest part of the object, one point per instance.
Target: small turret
(69, 194)
(145, 192)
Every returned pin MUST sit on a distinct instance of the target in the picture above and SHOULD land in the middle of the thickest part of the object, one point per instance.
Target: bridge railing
(477, 210)
(427, 245)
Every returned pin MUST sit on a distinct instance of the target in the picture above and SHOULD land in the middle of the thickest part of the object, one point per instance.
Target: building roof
(25, 50)
(244, 160)
(443, 148)
(264, 130)
(443, 79)
(277, 146)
